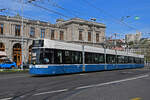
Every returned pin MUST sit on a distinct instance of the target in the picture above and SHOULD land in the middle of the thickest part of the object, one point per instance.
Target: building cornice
(80, 21)
(14, 37)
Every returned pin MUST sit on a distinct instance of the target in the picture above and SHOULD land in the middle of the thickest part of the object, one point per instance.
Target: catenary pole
(22, 34)
(105, 52)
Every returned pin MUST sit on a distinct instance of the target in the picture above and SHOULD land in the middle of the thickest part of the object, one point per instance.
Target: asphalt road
(129, 84)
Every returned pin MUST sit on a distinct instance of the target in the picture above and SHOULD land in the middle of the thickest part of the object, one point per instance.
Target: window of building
(80, 35)
(61, 35)
(52, 34)
(42, 33)
(17, 30)
(89, 36)
(32, 32)
(1, 29)
(97, 37)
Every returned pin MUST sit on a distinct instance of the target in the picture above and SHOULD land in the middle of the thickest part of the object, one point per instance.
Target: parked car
(7, 63)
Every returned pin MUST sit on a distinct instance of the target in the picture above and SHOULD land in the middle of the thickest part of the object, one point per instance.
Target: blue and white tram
(51, 57)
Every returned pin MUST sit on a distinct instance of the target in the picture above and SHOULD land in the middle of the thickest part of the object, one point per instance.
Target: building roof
(60, 22)
(81, 21)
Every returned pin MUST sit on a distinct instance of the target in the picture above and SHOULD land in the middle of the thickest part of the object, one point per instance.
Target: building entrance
(17, 54)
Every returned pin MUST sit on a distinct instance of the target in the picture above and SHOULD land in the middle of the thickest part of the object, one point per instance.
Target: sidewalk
(8, 71)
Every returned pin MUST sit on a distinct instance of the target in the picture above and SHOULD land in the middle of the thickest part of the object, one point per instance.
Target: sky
(118, 15)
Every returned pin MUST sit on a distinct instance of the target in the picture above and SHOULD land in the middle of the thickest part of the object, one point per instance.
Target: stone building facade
(133, 37)
(73, 30)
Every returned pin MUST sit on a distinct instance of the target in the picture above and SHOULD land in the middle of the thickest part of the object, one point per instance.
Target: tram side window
(80, 58)
(49, 54)
(41, 61)
(76, 57)
(137, 60)
(72, 58)
(111, 59)
(120, 59)
(46, 56)
(35, 56)
(131, 60)
(58, 57)
(142, 60)
(95, 56)
(67, 57)
(126, 59)
(88, 58)
(101, 58)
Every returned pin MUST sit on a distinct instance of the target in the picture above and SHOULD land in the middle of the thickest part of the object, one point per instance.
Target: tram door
(17, 54)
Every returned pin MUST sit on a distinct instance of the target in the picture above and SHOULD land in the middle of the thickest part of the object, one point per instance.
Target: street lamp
(83, 47)
(30, 1)
(105, 52)
(115, 46)
(104, 44)
(22, 33)
(22, 8)
(94, 19)
(83, 57)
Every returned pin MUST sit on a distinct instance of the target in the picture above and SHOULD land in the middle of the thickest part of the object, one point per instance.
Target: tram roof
(54, 44)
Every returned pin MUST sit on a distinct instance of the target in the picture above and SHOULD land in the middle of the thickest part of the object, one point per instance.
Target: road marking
(108, 83)
(136, 98)
(51, 92)
(126, 72)
(6, 98)
(82, 74)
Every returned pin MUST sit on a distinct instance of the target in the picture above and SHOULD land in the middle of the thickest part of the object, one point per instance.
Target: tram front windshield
(42, 56)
